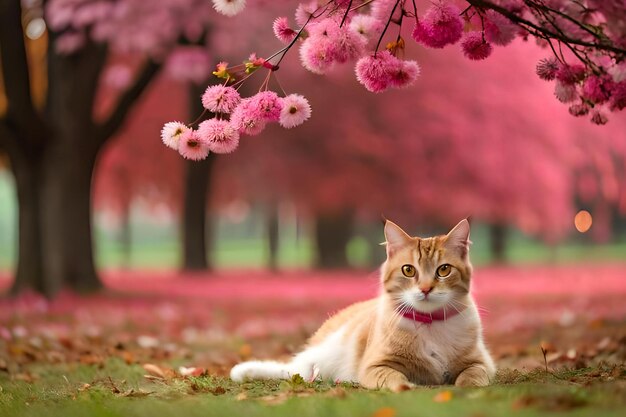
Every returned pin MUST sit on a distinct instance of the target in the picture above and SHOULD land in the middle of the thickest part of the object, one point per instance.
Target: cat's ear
(395, 237)
(458, 238)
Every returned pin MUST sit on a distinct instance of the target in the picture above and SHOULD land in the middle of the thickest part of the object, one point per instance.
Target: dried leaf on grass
(384, 412)
(443, 397)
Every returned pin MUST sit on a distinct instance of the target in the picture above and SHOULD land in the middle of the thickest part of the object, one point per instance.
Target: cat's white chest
(442, 342)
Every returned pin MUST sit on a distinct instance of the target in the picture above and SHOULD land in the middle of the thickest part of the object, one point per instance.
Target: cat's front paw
(474, 376)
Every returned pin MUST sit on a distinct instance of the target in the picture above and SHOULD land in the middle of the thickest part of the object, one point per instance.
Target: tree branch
(106, 129)
(14, 64)
(603, 46)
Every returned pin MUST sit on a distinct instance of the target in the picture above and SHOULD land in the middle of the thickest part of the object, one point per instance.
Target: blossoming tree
(53, 147)
(586, 42)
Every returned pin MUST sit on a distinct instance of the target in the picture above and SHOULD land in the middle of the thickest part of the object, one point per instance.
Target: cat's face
(427, 274)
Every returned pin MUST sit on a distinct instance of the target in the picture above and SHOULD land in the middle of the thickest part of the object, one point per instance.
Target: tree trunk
(498, 233)
(66, 218)
(332, 234)
(272, 236)
(68, 167)
(29, 271)
(196, 228)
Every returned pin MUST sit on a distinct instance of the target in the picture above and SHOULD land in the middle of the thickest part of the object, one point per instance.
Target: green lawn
(116, 389)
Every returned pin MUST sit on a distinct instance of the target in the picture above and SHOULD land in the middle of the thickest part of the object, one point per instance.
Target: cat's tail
(270, 370)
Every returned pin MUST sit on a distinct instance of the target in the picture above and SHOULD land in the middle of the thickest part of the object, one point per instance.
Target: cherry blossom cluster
(331, 32)
(586, 91)
(234, 115)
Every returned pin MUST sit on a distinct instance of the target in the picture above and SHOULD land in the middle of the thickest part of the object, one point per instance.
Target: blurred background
(481, 139)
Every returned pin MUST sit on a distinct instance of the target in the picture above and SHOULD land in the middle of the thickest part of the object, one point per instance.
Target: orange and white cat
(423, 328)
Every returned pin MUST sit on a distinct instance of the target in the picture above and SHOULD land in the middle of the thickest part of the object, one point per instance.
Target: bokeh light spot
(35, 28)
(583, 221)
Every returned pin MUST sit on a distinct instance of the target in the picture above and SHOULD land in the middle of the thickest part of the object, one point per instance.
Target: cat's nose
(426, 290)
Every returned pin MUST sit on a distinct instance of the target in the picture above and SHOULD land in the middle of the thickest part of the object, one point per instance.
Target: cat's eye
(444, 270)
(408, 271)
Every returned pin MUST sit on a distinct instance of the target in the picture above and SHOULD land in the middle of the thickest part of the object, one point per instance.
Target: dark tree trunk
(498, 234)
(29, 271)
(68, 167)
(66, 217)
(196, 223)
(272, 236)
(197, 226)
(332, 234)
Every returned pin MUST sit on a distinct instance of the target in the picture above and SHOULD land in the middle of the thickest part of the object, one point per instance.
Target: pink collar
(428, 318)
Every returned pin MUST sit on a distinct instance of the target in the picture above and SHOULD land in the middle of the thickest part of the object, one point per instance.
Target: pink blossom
(618, 96)
(317, 54)
(441, 25)
(296, 110)
(565, 93)
(498, 29)
(171, 133)
(547, 68)
(597, 89)
(570, 74)
(220, 135)
(348, 44)
(282, 30)
(220, 99)
(192, 146)
(618, 72)
(268, 105)
(366, 25)
(383, 70)
(305, 11)
(229, 7)
(247, 118)
(475, 47)
(405, 74)
(578, 110)
(599, 118)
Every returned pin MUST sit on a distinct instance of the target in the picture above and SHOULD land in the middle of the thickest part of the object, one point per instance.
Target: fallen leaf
(147, 342)
(443, 397)
(191, 371)
(128, 357)
(553, 356)
(245, 351)
(571, 354)
(154, 370)
(241, 396)
(385, 412)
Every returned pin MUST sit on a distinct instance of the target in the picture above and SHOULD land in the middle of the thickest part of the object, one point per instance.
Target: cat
(423, 328)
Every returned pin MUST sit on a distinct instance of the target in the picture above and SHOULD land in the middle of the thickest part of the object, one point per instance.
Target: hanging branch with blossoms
(586, 40)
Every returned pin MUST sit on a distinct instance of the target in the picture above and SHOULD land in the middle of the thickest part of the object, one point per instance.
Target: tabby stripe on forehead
(419, 248)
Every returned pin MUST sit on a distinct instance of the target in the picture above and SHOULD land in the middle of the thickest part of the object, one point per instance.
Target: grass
(118, 389)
